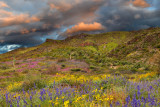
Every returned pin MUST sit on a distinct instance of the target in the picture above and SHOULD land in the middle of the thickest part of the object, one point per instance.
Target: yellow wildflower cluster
(66, 103)
(12, 86)
(151, 74)
(79, 98)
(82, 78)
(109, 98)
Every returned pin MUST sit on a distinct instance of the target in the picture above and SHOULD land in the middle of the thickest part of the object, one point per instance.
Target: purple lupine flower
(63, 100)
(152, 102)
(125, 105)
(150, 87)
(134, 101)
(149, 97)
(128, 99)
(61, 92)
(30, 98)
(44, 91)
(142, 99)
(41, 92)
(52, 104)
(25, 101)
(138, 87)
(49, 94)
(41, 98)
(138, 93)
(23, 91)
(117, 103)
(32, 93)
(17, 103)
(70, 101)
(50, 98)
(57, 91)
(35, 86)
(69, 94)
(110, 105)
(19, 97)
(6, 97)
(139, 103)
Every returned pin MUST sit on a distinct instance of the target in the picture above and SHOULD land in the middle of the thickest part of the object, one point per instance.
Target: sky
(26, 23)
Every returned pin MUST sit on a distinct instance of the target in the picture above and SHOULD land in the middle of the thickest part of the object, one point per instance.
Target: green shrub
(134, 70)
(76, 69)
(63, 66)
(32, 80)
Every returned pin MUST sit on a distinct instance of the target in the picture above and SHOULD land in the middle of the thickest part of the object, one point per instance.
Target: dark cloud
(128, 17)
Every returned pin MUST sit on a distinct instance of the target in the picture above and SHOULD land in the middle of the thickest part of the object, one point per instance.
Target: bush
(33, 81)
(76, 69)
(63, 66)
(52, 69)
(134, 70)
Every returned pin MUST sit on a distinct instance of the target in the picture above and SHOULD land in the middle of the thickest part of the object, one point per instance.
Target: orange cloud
(61, 7)
(5, 13)
(140, 3)
(3, 4)
(85, 27)
(9, 19)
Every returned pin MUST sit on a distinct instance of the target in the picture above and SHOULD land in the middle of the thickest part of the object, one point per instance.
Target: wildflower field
(30, 87)
(84, 71)
(84, 91)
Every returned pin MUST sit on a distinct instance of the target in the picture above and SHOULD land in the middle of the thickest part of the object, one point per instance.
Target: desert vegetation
(115, 69)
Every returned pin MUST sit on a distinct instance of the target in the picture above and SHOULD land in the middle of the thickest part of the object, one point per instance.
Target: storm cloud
(26, 23)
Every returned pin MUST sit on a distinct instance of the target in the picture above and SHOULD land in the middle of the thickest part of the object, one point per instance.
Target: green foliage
(106, 48)
(76, 69)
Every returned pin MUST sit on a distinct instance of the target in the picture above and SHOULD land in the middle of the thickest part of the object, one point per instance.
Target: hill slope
(81, 40)
(126, 52)
(144, 47)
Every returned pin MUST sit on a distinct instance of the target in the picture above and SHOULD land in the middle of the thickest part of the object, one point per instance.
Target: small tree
(14, 66)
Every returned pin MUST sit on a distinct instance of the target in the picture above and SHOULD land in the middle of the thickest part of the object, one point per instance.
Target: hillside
(99, 40)
(144, 47)
(120, 67)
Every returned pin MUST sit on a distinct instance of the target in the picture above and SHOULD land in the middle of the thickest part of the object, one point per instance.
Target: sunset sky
(25, 23)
